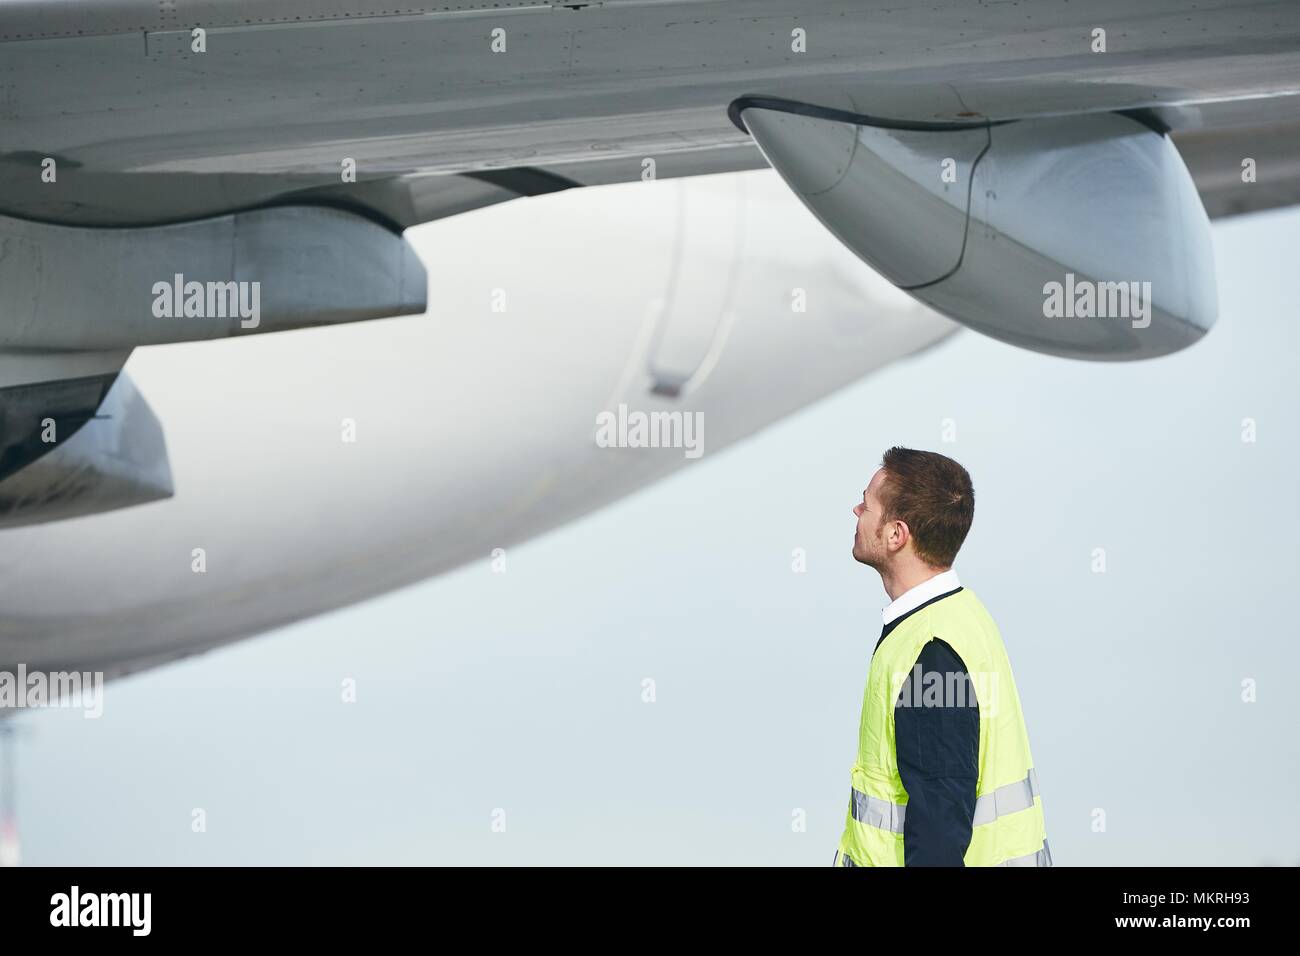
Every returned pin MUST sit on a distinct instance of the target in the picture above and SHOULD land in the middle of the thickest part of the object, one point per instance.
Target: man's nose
(857, 511)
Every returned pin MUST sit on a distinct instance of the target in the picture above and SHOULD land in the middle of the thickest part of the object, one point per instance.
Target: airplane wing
(1215, 159)
(192, 174)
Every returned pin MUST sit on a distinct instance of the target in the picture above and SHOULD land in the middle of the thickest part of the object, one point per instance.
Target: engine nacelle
(1081, 236)
(75, 301)
(64, 287)
(113, 455)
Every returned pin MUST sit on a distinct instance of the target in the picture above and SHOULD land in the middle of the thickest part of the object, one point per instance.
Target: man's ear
(902, 533)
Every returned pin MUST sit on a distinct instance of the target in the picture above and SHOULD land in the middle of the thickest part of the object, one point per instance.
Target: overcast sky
(517, 699)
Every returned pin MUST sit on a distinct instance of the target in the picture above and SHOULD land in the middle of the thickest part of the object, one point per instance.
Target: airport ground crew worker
(943, 775)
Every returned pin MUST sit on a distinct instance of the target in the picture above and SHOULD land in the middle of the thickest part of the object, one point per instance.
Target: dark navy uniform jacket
(938, 753)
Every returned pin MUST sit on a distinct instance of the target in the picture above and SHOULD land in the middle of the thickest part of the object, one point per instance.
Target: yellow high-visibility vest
(1009, 829)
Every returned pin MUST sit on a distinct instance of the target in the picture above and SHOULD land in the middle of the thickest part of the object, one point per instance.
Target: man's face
(868, 541)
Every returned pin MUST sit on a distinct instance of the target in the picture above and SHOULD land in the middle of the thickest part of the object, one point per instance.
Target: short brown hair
(934, 496)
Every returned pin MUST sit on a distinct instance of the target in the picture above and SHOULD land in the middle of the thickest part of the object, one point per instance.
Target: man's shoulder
(961, 603)
(937, 654)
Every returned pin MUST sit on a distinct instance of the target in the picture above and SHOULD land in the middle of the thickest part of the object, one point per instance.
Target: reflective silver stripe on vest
(1041, 857)
(875, 812)
(1011, 798)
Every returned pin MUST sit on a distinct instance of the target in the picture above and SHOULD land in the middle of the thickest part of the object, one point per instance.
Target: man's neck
(898, 581)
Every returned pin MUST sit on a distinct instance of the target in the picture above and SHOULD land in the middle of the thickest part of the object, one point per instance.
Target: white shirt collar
(911, 599)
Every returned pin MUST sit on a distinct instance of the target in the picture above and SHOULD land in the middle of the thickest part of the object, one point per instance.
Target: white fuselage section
(316, 468)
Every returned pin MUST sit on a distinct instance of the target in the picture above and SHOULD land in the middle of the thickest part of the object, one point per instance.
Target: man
(943, 775)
